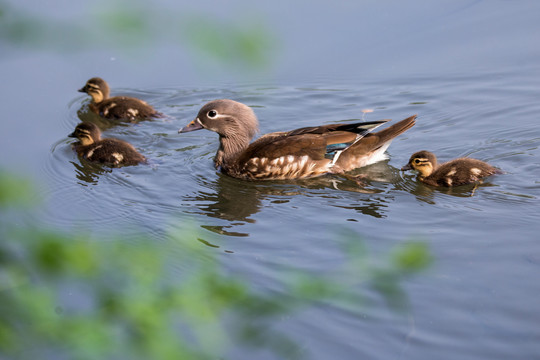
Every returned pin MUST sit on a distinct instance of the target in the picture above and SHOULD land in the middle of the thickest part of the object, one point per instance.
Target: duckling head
(97, 88)
(229, 118)
(422, 161)
(86, 133)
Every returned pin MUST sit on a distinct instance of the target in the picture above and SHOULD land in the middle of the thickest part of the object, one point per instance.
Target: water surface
(469, 69)
(483, 239)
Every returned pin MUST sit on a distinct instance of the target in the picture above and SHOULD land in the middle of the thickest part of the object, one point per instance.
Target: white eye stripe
(213, 114)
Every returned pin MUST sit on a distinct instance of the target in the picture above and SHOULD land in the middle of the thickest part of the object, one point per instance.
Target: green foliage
(15, 191)
(412, 257)
(405, 260)
(67, 295)
(240, 44)
(124, 24)
(248, 44)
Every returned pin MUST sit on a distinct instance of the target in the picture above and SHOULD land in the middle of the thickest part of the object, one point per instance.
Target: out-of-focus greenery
(245, 44)
(240, 43)
(69, 296)
(14, 191)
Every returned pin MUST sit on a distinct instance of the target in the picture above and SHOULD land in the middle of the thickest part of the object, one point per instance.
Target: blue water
(469, 69)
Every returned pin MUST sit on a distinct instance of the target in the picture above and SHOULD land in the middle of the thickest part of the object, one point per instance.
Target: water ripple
(180, 180)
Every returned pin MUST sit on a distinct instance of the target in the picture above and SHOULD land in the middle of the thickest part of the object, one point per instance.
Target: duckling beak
(406, 167)
(192, 126)
(82, 89)
(72, 135)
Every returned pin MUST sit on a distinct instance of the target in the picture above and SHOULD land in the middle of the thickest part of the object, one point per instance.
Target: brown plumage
(296, 154)
(452, 173)
(108, 151)
(118, 107)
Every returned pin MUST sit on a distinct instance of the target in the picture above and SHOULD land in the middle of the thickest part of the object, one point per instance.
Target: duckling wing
(113, 152)
(125, 108)
(462, 171)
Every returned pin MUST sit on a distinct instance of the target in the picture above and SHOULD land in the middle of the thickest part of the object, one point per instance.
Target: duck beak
(406, 167)
(192, 126)
(72, 135)
(83, 89)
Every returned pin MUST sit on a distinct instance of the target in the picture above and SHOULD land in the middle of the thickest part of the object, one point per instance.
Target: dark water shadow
(79, 108)
(427, 193)
(86, 115)
(88, 173)
(237, 201)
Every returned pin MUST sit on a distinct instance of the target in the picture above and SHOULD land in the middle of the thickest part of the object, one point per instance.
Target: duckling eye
(212, 114)
(416, 161)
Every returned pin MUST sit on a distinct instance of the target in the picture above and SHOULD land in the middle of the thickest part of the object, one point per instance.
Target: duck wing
(317, 142)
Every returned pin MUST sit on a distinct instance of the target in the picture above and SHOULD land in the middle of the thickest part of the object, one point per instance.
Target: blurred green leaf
(412, 257)
(66, 295)
(15, 191)
(126, 24)
(241, 44)
(238, 44)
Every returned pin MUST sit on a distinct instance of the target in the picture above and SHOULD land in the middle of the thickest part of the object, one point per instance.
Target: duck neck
(229, 150)
(427, 170)
(99, 95)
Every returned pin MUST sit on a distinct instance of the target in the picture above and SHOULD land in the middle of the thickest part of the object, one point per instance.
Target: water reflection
(86, 115)
(426, 193)
(236, 201)
(79, 110)
(229, 199)
(88, 173)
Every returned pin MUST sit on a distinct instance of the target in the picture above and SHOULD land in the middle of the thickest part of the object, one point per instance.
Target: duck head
(86, 133)
(235, 123)
(228, 118)
(97, 88)
(422, 161)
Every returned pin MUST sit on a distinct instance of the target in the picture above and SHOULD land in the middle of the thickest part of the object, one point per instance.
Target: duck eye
(416, 161)
(212, 114)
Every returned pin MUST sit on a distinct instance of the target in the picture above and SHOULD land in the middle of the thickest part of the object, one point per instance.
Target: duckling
(118, 107)
(456, 172)
(297, 154)
(108, 151)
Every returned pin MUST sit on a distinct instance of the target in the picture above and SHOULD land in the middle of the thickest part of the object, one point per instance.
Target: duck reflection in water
(428, 194)
(236, 201)
(88, 173)
(227, 199)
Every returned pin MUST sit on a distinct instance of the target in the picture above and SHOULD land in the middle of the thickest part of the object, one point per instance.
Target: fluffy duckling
(108, 151)
(301, 153)
(118, 107)
(456, 172)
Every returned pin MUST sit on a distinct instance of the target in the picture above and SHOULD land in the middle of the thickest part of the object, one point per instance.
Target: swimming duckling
(297, 154)
(452, 173)
(108, 151)
(118, 107)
